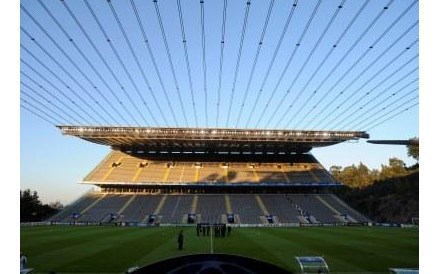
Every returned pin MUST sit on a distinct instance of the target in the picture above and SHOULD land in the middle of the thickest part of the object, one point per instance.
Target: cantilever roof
(210, 139)
(410, 142)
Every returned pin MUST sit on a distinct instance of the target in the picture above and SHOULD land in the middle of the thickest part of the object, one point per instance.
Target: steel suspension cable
(118, 57)
(385, 114)
(205, 87)
(104, 61)
(91, 83)
(22, 92)
(257, 54)
(289, 61)
(351, 123)
(222, 47)
(280, 40)
(380, 102)
(138, 64)
(359, 100)
(356, 78)
(39, 115)
(361, 36)
(344, 75)
(188, 68)
(385, 100)
(59, 91)
(170, 61)
(329, 53)
(51, 95)
(391, 117)
(324, 32)
(380, 93)
(153, 59)
(68, 74)
(237, 65)
(379, 71)
(71, 40)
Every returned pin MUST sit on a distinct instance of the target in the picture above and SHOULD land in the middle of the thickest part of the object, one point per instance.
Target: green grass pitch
(95, 249)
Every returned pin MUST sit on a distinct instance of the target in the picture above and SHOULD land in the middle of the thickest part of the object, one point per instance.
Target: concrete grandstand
(156, 176)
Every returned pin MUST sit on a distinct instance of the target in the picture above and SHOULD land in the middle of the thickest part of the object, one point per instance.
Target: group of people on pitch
(219, 230)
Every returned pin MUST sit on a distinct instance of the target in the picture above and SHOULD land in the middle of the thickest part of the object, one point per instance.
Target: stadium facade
(157, 176)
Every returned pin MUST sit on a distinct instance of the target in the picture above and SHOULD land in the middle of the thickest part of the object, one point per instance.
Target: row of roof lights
(212, 132)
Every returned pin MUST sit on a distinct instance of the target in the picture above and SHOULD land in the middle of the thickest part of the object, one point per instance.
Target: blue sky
(320, 87)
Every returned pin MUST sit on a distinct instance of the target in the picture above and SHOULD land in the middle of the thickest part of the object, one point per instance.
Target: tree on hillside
(359, 176)
(394, 200)
(335, 171)
(395, 168)
(57, 205)
(347, 176)
(353, 176)
(363, 175)
(413, 150)
(375, 175)
(29, 203)
(32, 209)
(386, 195)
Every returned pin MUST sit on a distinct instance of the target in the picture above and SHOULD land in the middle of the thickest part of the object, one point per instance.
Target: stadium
(164, 179)
(206, 175)
(209, 114)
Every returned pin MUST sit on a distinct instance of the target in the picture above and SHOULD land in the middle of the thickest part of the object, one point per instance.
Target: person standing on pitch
(180, 240)
(23, 261)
